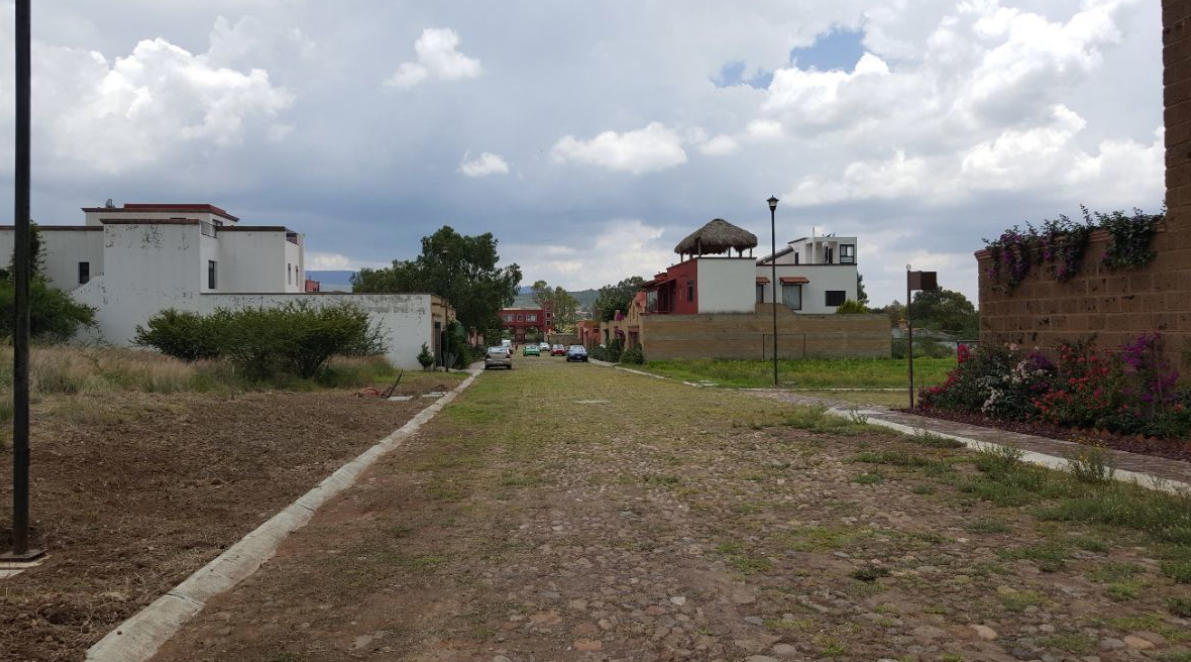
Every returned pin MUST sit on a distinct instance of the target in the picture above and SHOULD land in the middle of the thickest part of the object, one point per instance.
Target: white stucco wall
(814, 293)
(252, 261)
(63, 250)
(726, 285)
(295, 274)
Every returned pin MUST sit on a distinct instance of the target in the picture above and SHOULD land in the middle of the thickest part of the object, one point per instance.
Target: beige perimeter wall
(750, 336)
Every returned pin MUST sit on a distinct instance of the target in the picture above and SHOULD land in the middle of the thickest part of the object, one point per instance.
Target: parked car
(499, 356)
(558, 350)
(545, 347)
(576, 353)
(531, 350)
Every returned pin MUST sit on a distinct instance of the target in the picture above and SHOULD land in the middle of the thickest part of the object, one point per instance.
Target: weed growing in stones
(988, 526)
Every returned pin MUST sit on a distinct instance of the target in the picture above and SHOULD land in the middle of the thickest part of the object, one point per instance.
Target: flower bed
(1127, 392)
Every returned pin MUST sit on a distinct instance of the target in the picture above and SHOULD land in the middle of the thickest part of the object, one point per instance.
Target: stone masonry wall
(1117, 306)
(750, 336)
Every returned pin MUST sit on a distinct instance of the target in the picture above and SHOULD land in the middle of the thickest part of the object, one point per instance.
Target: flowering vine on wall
(1063, 243)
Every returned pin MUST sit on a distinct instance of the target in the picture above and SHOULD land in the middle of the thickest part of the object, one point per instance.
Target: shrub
(633, 355)
(1130, 391)
(425, 357)
(851, 307)
(53, 315)
(182, 334)
(296, 338)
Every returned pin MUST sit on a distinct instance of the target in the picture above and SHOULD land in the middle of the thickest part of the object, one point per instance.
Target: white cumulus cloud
(138, 109)
(438, 58)
(485, 164)
(651, 149)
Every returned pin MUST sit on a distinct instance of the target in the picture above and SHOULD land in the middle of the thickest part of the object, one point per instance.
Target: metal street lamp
(21, 551)
(773, 270)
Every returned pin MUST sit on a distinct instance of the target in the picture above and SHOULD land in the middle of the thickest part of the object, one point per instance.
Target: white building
(131, 262)
(815, 274)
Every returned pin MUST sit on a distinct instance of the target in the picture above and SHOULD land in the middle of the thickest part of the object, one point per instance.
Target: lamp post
(773, 271)
(21, 265)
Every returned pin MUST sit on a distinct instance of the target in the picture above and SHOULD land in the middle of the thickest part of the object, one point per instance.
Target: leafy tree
(945, 310)
(861, 295)
(541, 292)
(566, 310)
(617, 297)
(53, 314)
(896, 312)
(461, 268)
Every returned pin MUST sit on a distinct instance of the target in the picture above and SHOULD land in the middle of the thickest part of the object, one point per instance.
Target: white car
(501, 357)
(544, 346)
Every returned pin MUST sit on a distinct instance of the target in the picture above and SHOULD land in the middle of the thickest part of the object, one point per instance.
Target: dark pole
(20, 340)
(773, 272)
(909, 336)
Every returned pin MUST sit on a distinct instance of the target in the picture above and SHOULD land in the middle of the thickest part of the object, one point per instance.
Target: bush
(1129, 391)
(183, 335)
(296, 338)
(851, 307)
(53, 315)
(425, 357)
(633, 355)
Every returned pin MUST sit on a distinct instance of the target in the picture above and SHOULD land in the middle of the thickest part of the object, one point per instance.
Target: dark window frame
(800, 293)
(847, 254)
(760, 293)
(840, 295)
(84, 273)
(690, 291)
(212, 275)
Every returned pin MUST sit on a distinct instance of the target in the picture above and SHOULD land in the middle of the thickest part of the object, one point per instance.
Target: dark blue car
(576, 353)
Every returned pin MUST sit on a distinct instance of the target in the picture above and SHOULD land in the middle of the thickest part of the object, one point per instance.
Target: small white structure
(131, 262)
(815, 274)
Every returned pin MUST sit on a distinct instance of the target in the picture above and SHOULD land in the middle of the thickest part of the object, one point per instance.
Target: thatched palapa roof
(716, 237)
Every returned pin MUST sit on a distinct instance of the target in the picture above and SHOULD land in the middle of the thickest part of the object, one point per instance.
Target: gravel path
(570, 512)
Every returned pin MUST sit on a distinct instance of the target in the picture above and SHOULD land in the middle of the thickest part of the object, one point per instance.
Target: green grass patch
(807, 373)
(1070, 642)
(1180, 607)
(1018, 601)
(987, 526)
(869, 479)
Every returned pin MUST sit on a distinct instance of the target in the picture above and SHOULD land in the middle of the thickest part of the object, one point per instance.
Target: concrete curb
(1041, 459)
(1138, 478)
(139, 637)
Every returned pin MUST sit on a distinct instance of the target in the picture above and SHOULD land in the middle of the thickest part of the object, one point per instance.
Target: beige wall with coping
(750, 336)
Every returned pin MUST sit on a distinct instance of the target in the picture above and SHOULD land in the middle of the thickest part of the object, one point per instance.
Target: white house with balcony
(132, 261)
(815, 274)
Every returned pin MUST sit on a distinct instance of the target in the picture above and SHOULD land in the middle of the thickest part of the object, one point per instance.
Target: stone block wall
(750, 336)
(1117, 306)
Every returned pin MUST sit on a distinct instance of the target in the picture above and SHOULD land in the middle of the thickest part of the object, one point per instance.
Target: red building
(521, 319)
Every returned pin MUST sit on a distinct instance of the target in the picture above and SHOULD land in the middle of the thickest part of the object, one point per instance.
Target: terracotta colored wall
(1117, 306)
(748, 336)
(681, 273)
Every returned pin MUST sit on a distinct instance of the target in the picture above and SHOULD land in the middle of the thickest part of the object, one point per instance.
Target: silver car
(498, 356)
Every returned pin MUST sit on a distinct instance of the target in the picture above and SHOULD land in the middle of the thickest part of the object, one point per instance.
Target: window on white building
(792, 296)
(760, 293)
(847, 254)
(84, 273)
(289, 274)
(836, 297)
(212, 275)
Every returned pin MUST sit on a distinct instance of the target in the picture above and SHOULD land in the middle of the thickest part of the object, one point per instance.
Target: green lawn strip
(808, 374)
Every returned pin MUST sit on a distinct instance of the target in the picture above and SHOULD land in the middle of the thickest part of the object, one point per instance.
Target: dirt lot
(570, 512)
(132, 492)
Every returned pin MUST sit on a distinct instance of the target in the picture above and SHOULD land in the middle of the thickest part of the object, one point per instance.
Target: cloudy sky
(590, 137)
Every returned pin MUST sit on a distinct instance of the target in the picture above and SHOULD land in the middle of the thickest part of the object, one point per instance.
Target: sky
(591, 137)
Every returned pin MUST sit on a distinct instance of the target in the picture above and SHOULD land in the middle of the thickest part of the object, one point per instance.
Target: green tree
(945, 310)
(53, 314)
(616, 297)
(541, 292)
(861, 295)
(461, 268)
(566, 310)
